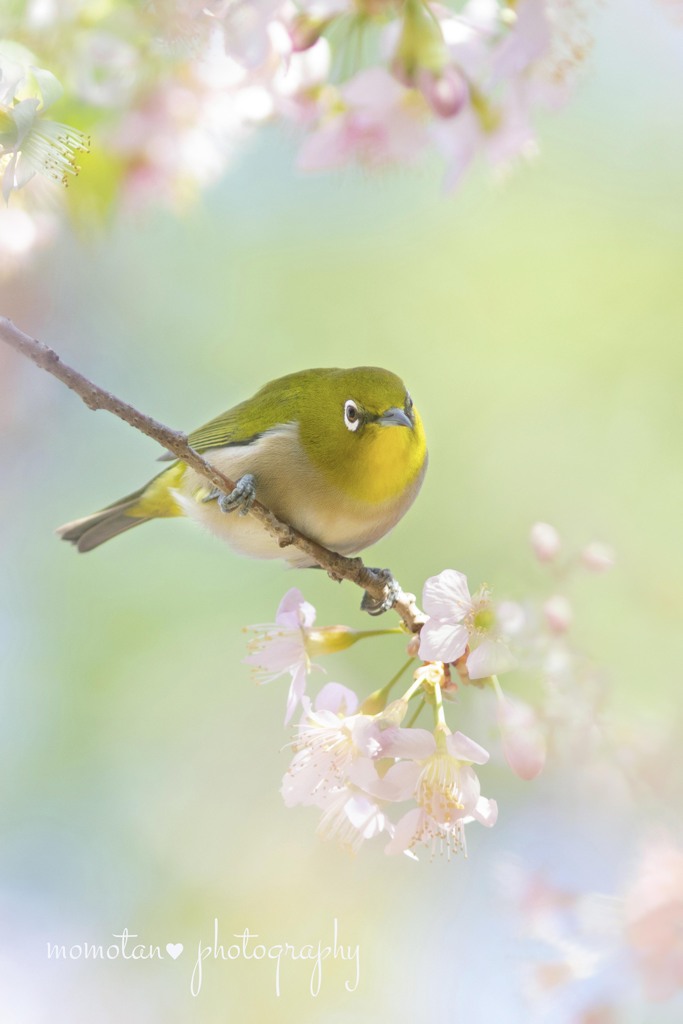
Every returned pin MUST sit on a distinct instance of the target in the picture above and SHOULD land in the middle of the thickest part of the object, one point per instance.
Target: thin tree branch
(338, 566)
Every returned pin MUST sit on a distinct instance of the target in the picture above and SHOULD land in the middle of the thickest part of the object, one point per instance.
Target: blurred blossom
(173, 91)
(598, 557)
(524, 742)
(558, 613)
(372, 119)
(653, 910)
(591, 937)
(30, 223)
(545, 540)
(104, 69)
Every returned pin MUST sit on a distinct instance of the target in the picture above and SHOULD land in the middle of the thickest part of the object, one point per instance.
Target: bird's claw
(374, 606)
(241, 497)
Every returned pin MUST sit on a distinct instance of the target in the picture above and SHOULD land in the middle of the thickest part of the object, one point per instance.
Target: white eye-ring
(351, 415)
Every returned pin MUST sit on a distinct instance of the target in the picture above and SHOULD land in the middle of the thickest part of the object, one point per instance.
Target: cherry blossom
(372, 119)
(29, 142)
(456, 620)
(441, 780)
(287, 645)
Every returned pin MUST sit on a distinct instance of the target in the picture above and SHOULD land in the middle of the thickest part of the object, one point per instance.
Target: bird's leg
(241, 496)
(372, 605)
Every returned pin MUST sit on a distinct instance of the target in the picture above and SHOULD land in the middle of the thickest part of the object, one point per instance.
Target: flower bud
(330, 639)
(597, 557)
(305, 31)
(558, 613)
(545, 540)
(446, 93)
(413, 645)
(421, 45)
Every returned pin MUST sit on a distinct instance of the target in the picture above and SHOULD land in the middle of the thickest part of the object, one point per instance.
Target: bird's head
(361, 428)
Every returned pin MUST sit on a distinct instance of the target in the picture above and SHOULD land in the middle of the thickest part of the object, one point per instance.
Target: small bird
(338, 454)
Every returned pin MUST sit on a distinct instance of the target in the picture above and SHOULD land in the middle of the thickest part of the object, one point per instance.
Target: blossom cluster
(170, 90)
(365, 763)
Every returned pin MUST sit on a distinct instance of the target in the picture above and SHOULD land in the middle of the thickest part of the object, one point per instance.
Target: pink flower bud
(597, 557)
(413, 645)
(524, 743)
(545, 540)
(558, 613)
(446, 93)
(305, 31)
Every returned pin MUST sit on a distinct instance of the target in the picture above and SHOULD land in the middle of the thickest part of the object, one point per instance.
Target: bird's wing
(224, 431)
(247, 422)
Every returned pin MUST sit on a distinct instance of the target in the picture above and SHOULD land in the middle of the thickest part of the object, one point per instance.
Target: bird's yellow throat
(383, 465)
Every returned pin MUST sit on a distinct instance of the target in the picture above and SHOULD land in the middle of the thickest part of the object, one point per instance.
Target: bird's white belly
(297, 492)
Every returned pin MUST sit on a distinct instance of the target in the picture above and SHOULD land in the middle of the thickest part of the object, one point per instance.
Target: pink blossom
(439, 776)
(282, 648)
(289, 644)
(456, 620)
(373, 120)
(330, 736)
(529, 41)
(653, 911)
(524, 743)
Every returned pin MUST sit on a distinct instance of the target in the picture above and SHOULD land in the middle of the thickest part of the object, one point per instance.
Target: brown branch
(338, 566)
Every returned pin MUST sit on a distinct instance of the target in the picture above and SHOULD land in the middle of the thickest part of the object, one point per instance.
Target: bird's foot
(241, 497)
(374, 606)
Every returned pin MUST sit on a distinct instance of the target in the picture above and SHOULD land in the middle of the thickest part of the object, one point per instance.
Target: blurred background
(538, 325)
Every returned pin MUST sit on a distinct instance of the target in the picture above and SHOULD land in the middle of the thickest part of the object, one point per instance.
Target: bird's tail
(152, 501)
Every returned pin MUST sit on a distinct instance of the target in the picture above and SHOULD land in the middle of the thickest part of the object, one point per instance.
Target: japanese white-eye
(338, 454)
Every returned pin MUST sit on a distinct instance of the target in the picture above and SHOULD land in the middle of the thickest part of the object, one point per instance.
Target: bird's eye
(409, 402)
(351, 415)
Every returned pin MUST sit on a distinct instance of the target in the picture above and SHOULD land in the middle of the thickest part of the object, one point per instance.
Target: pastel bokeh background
(538, 325)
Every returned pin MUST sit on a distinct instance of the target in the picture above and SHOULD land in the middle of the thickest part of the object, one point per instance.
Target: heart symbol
(174, 949)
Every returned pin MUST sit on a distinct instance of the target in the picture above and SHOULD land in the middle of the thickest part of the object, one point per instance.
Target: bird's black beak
(394, 417)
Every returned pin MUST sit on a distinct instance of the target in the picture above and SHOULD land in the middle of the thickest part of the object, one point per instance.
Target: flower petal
(416, 744)
(447, 596)
(486, 812)
(279, 654)
(365, 815)
(296, 691)
(336, 698)
(465, 749)
(295, 612)
(406, 831)
(442, 641)
(490, 658)
(50, 88)
(397, 784)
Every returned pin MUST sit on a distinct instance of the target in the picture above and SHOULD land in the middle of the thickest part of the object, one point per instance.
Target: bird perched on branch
(338, 454)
